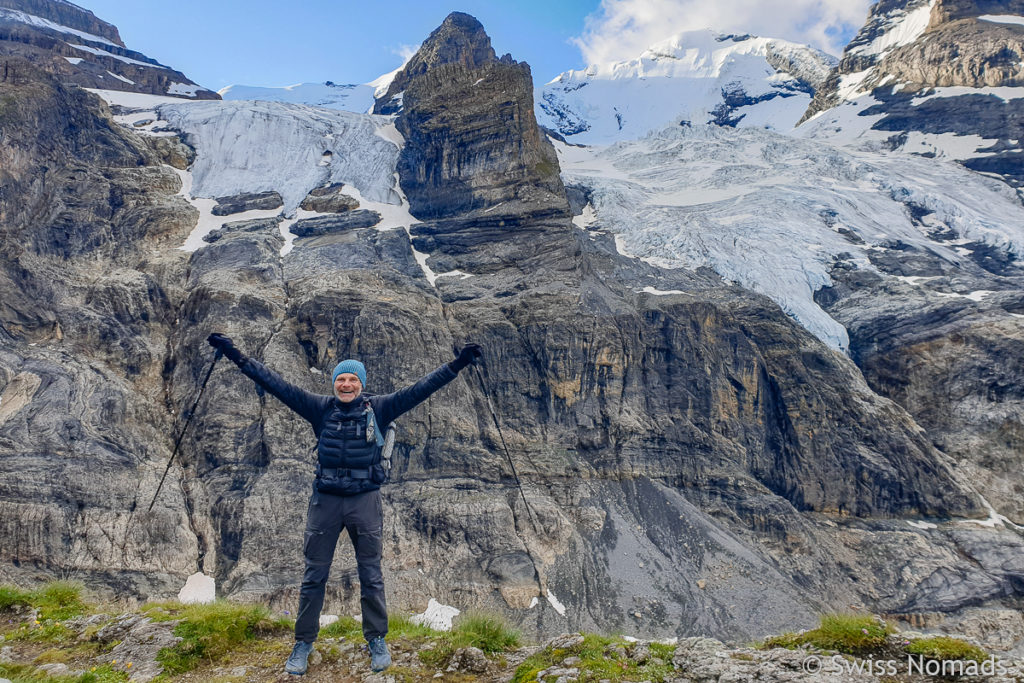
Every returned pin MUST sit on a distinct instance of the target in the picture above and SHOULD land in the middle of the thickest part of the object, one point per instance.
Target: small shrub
(210, 631)
(848, 633)
(488, 632)
(943, 648)
(59, 600)
(12, 596)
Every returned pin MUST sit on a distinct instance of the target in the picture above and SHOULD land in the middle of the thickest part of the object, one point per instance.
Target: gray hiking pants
(362, 514)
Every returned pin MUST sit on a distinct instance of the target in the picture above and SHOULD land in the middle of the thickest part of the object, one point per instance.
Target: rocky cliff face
(694, 461)
(77, 47)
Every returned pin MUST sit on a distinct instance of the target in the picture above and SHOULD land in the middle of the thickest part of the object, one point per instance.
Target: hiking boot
(380, 658)
(296, 664)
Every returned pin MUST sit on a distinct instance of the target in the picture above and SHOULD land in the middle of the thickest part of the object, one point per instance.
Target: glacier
(774, 213)
(247, 146)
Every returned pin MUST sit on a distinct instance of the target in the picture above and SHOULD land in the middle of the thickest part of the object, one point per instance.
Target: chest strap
(339, 473)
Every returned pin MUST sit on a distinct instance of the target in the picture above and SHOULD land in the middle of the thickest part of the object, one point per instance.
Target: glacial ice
(247, 146)
(769, 211)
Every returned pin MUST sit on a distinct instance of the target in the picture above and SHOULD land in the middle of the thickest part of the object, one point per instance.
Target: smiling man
(349, 427)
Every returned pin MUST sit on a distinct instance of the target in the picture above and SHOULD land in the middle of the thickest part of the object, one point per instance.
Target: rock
(640, 652)
(258, 201)
(494, 150)
(255, 225)
(315, 657)
(50, 45)
(469, 660)
(6, 653)
(55, 669)
(566, 641)
(198, 589)
(571, 661)
(119, 628)
(140, 646)
(325, 225)
(329, 199)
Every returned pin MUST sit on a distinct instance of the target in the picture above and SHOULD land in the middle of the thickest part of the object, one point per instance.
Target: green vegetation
(943, 648)
(344, 627)
(210, 631)
(55, 600)
(487, 632)
(22, 673)
(601, 658)
(853, 634)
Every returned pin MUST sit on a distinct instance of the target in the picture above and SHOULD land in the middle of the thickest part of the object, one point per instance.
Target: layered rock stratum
(77, 47)
(693, 461)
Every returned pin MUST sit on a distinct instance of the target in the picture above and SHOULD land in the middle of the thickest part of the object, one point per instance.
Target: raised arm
(389, 406)
(305, 403)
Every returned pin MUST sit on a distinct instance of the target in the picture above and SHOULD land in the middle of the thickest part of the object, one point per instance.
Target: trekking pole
(188, 421)
(494, 416)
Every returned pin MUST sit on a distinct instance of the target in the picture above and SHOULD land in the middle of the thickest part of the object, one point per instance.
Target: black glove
(227, 347)
(468, 354)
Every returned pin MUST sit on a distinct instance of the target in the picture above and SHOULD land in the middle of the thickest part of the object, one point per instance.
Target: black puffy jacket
(340, 427)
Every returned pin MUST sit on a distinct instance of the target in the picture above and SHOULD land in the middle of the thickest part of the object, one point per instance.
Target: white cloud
(622, 29)
(406, 52)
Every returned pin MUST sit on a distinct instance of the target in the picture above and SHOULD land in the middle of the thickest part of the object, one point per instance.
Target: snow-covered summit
(357, 98)
(696, 76)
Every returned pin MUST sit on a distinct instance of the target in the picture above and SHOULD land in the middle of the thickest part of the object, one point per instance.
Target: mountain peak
(460, 39)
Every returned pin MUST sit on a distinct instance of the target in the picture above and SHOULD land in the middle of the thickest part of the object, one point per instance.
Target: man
(349, 427)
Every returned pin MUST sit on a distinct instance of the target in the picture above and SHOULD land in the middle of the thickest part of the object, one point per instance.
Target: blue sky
(218, 43)
(267, 42)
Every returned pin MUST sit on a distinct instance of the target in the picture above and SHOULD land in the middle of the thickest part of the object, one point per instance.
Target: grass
(55, 600)
(22, 673)
(209, 632)
(944, 648)
(853, 634)
(344, 627)
(601, 658)
(487, 632)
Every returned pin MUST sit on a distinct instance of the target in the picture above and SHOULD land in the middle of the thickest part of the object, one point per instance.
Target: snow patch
(199, 589)
(183, 89)
(533, 602)
(1003, 19)
(437, 616)
(135, 100)
(559, 607)
(126, 60)
(121, 78)
(922, 525)
(904, 28)
(585, 219)
(39, 22)
(75, 60)
(661, 292)
(973, 296)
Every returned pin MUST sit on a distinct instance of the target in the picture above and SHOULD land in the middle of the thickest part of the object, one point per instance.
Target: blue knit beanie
(352, 366)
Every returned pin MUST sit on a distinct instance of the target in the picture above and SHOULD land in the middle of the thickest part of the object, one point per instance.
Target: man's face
(347, 387)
